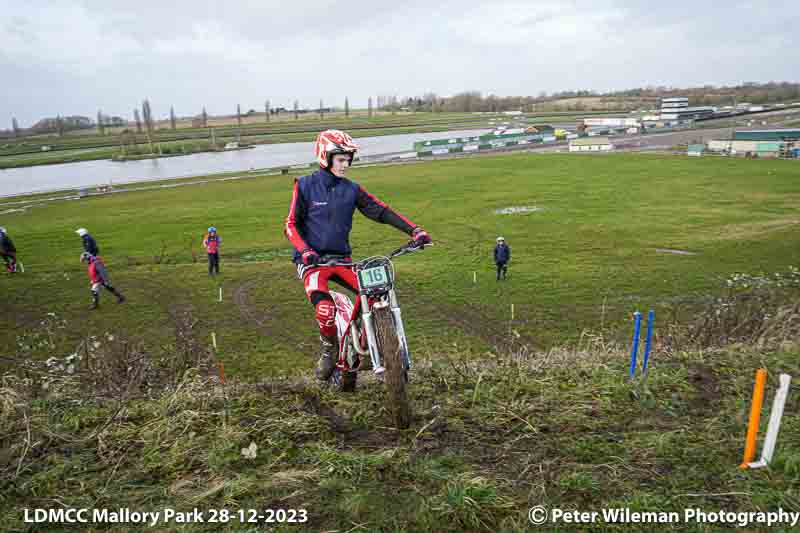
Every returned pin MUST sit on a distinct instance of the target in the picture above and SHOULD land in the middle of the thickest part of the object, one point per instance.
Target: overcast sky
(73, 57)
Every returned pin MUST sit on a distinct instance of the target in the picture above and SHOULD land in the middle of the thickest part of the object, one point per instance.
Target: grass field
(586, 260)
(507, 417)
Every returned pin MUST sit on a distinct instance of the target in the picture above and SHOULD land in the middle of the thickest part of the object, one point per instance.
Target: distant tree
(266, 110)
(138, 121)
(296, 103)
(239, 115)
(204, 116)
(60, 126)
(147, 116)
(15, 127)
(101, 128)
(346, 107)
(369, 107)
(172, 117)
(321, 113)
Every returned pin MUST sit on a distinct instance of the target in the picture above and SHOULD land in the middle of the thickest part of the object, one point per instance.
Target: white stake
(774, 422)
(474, 277)
(214, 339)
(21, 267)
(512, 311)
(220, 294)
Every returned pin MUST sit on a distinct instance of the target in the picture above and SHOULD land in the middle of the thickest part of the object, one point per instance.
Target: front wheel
(394, 361)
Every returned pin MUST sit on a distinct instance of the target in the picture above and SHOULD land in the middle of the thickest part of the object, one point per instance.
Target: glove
(310, 258)
(420, 236)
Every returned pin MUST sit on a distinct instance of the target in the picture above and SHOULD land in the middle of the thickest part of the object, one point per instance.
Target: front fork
(372, 340)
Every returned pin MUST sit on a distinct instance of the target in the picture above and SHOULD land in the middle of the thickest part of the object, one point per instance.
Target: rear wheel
(395, 376)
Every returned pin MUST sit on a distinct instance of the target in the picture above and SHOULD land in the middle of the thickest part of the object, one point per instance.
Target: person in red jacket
(211, 243)
(98, 275)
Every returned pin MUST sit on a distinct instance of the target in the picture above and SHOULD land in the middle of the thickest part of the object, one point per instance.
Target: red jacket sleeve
(294, 219)
(378, 211)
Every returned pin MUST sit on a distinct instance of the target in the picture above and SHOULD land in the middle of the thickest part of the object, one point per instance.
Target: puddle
(675, 252)
(518, 210)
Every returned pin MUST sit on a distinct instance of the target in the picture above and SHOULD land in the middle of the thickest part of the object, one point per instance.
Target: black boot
(115, 292)
(328, 358)
(95, 301)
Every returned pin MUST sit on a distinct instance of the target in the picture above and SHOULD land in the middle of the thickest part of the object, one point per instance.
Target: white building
(678, 109)
(587, 144)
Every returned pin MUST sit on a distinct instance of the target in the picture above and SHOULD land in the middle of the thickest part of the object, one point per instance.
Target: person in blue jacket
(318, 224)
(502, 255)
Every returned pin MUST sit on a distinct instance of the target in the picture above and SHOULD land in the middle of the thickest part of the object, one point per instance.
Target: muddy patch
(518, 210)
(706, 385)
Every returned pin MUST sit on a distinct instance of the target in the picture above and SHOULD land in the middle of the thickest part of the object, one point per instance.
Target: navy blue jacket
(321, 214)
(6, 244)
(502, 253)
(90, 245)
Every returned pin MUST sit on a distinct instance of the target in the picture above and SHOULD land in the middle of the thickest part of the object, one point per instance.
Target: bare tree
(266, 110)
(60, 125)
(15, 127)
(321, 114)
(239, 122)
(147, 115)
(204, 117)
(101, 128)
(295, 109)
(369, 107)
(138, 121)
(172, 117)
(346, 107)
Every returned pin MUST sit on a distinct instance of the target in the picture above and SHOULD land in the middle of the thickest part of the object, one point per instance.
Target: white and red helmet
(332, 142)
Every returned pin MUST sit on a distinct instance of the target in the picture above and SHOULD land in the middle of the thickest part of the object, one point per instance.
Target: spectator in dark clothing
(89, 244)
(502, 255)
(8, 251)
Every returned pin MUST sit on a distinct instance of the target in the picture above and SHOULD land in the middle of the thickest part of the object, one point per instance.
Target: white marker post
(21, 267)
(214, 339)
(220, 294)
(512, 311)
(774, 422)
(474, 277)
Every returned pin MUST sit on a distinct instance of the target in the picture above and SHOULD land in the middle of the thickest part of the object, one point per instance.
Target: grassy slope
(489, 441)
(492, 438)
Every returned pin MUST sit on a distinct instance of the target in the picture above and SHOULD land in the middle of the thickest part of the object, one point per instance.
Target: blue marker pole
(637, 317)
(651, 316)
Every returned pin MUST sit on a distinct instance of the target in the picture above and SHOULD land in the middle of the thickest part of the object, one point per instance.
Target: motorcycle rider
(318, 224)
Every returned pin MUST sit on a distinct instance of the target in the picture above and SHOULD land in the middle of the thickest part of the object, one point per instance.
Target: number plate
(373, 277)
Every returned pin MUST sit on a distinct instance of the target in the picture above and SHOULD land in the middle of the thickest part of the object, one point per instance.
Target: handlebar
(408, 248)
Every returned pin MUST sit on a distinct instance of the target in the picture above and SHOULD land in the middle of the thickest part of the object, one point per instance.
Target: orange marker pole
(755, 414)
(222, 374)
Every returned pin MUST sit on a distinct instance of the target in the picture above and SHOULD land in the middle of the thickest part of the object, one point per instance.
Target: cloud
(73, 57)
